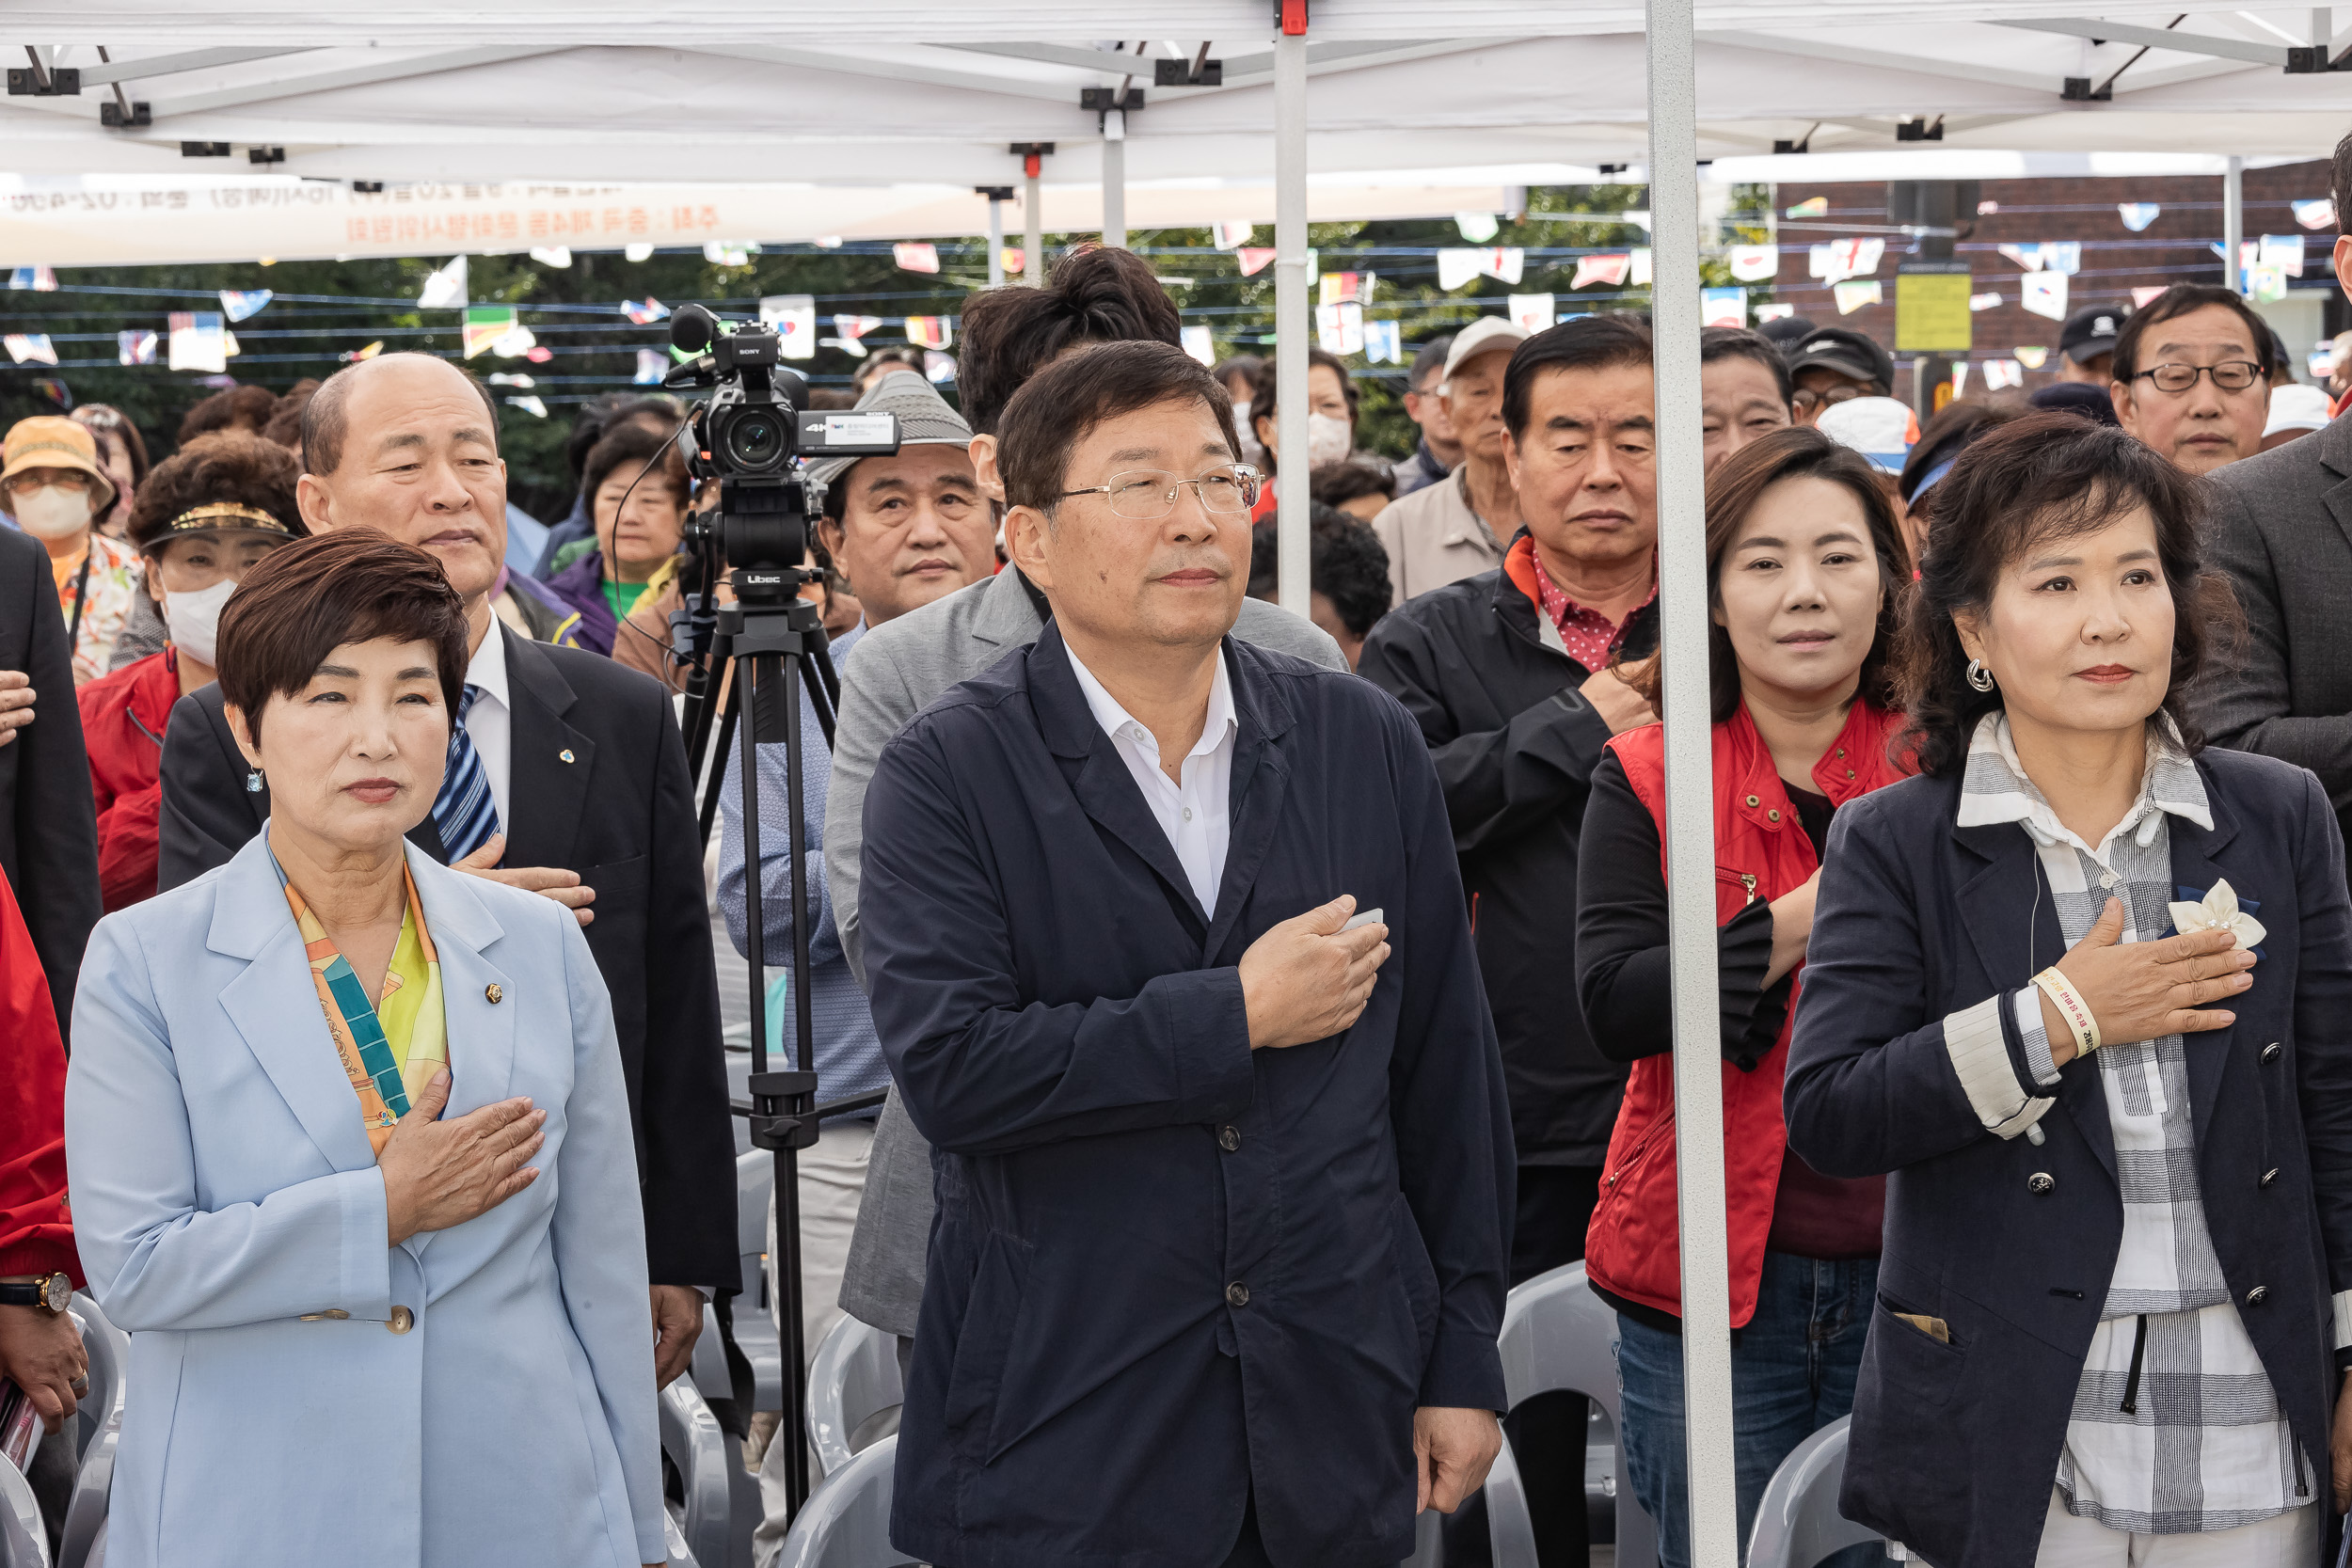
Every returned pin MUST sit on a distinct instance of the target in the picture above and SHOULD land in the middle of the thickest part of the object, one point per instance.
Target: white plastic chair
(1798, 1524)
(23, 1541)
(1556, 1335)
(691, 1439)
(754, 1322)
(854, 1391)
(98, 1429)
(845, 1523)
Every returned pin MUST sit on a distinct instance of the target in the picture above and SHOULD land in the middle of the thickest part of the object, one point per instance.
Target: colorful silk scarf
(392, 1050)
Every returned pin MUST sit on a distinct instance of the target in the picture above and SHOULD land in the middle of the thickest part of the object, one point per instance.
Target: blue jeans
(1792, 1374)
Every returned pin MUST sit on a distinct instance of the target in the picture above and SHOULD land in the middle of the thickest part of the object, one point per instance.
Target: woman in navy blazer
(363, 1332)
(2113, 1298)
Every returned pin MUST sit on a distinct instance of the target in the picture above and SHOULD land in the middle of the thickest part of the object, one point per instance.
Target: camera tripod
(775, 643)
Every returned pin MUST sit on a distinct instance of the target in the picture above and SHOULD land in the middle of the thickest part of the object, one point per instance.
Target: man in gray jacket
(2281, 530)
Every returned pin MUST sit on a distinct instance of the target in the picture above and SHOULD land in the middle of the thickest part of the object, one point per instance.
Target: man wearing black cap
(2087, 345)
(1833, 363)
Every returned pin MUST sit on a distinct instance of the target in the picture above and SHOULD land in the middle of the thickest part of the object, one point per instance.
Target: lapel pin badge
(565, 753)
(494, 994)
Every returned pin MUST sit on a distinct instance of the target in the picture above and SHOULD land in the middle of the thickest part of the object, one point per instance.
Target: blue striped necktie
(465, 813)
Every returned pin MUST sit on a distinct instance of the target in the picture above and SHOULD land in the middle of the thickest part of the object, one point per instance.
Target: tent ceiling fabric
(586, 90)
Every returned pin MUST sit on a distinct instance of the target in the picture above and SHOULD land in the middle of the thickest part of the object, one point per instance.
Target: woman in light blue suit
(349, 1146)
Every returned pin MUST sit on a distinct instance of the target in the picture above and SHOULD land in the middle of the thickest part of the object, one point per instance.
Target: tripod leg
(728, 719)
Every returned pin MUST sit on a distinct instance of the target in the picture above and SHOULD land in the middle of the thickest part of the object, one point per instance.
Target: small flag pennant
(551, 255)
(2045, 294)
(2137, 215)
(1753, 263)
(2283, 251)
(855, 327)
(1199, 344)
(2003, 372)
(931, 331)
(1384, 343)
(938, 369)
(2265, 285)
(1854, 293)
(1340, 328)
(1477, 227)
(53, 389)
(135, 347)
(1640, 274)
(645, 311)
(499, 378)
(2025, 256)
(485, 324)
(2146, 292)
(444, 290)
(1811, 207)
(199, 341)
(638, 251)
(32, 348)
(1530, 313)
(652, 365)
(2032, 355)
(1256, 259)
(1232, 236)
(794, 317)
(43, 278)
(1339, 288)
(1503, 263)
(1988, 301)
(1723, 307)
(1609, 269)
(1842, 258)
(912, 257)
(1773, 313)
(2318, 213)
(729, 253)
(529, 404)
(242, 303)
(1014, 262)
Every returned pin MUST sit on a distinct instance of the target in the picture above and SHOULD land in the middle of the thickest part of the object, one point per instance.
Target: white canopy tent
(933, 94)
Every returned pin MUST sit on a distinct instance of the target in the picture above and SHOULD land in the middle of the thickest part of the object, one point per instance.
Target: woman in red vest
(204, 516)
(1807, 561)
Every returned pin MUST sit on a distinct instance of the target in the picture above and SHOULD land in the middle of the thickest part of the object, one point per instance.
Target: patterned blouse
(115, 582)
(390, 1049)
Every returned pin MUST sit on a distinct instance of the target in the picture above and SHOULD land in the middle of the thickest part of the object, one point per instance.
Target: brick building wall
(2176, 248)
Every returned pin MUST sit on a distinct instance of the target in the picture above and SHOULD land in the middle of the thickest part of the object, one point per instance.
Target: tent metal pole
(1033, 227)
(995, 241)
(1292, 534)
(1682, 599)
(2234, 225)
(1115, 178)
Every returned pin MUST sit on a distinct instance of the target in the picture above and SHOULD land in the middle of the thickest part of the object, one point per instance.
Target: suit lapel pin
(565, 753)
(494, 995)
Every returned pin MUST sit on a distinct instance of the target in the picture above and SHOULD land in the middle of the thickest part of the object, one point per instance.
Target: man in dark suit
(565, 776)
(2282, 530)
(1223, 1188)
(49, 830)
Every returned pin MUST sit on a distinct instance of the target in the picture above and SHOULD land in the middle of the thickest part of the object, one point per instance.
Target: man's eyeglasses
(2230, 376)
(1808, 400)
(1146, 495)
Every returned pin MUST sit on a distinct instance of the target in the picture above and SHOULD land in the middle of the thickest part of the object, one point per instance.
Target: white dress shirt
(1192, 813)
(491, 722)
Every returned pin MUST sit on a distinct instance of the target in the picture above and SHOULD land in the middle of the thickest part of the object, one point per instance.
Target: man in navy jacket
(1223, 1187)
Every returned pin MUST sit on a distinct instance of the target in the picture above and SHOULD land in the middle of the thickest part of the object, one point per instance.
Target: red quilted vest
(1633, 1249)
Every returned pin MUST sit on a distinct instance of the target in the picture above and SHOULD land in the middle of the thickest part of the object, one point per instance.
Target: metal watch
(51, 1293)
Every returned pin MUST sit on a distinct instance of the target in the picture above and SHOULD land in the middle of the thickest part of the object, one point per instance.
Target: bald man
(566, 775)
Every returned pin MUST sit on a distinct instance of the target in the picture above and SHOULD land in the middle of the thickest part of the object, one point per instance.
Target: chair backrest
(1557, 1335)
(1510, 1528)
(853, 1378)
(754, 1183)
(845, 1523)
(99, 1430)
(691, 1439)
(1797, 1524)
(23, 1540)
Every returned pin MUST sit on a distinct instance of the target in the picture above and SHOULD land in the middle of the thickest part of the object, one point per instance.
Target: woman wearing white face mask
(1330, 419)
(53, 484)
(201, 520)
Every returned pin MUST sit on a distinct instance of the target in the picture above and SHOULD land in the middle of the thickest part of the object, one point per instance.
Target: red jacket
(1633, 1249)
(35, 1227)
(123, 717)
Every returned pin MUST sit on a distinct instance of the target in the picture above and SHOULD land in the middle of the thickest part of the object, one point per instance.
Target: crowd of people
(1256, 992)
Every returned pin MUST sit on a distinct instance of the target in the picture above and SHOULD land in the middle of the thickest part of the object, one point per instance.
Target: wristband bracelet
(2071, 1008)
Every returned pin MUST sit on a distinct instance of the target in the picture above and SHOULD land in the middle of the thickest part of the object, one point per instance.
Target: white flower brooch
(2219, 913)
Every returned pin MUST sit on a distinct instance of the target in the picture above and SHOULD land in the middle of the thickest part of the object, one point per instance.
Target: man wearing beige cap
(51, 483)
(1457, 526)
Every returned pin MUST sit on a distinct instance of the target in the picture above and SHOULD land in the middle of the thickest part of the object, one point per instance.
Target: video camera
(750, 436)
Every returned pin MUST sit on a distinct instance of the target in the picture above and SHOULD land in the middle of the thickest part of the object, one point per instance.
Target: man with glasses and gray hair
(2192, 376)
(1170, 957)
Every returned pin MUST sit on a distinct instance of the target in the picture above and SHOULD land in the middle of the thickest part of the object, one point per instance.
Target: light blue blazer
(231, 1216)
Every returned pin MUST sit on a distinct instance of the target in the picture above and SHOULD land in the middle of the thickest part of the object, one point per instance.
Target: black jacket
(1167, 1268)
(48, 826)
(1516, 745)
(598, 786)
(2014, 1243)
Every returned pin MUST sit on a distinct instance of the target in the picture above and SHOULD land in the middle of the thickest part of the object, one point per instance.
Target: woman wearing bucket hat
(203, 518)
(53, 485)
